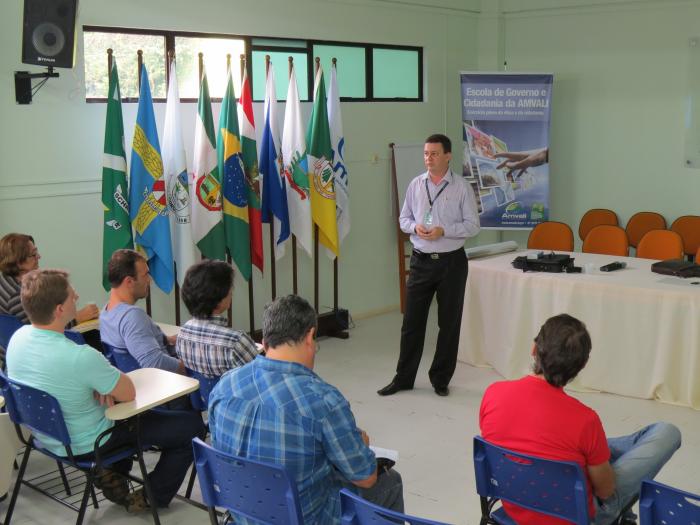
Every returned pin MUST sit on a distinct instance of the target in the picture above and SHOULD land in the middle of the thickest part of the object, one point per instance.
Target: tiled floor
(432, 434)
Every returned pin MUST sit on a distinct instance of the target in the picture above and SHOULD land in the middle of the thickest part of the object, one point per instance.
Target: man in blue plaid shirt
(205, 343)
(276, 409)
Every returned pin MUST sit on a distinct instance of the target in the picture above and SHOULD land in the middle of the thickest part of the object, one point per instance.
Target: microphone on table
(617, 265)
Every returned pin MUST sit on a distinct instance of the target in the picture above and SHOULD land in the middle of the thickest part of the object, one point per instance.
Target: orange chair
(593, 218)
(641, 223)
(660, 244)
(608, 240)
(697, 257)
(688, 227)
(551, 235)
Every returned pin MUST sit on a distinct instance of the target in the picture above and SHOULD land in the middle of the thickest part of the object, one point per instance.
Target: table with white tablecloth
(645, 327)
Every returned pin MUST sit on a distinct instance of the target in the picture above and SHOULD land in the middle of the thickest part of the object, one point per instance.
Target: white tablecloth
(645, 327)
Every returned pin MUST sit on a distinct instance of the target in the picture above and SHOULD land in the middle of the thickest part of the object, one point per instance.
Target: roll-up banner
(505, 127)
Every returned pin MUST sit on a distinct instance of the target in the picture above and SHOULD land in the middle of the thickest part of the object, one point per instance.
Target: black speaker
(48, 36)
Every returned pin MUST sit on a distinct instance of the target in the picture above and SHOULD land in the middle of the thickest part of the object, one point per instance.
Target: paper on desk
(86, 326)
(385, 453)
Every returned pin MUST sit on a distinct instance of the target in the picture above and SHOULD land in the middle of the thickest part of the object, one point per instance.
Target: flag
(207, 219)
(246, 123)
(235, 188)
(319, 155)
(115, 194)
(295, 168)
(177, 182)
(340, 172)
(149, 210)
(274, 193)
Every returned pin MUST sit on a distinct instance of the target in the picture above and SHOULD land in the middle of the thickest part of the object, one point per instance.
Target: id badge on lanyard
(428, 217)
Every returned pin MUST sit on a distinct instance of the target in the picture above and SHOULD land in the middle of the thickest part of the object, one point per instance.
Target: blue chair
(200, 401)
(41, 413)
(357, 511)
(74, 336)
(523, 480)
(252, 489)
(120, 357)
(661, 504)
(9, 324)
(200, 398)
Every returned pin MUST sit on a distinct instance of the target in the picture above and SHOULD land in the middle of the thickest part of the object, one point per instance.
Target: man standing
(534, 416)
(275, 409)
(439, 213)
(125, 325)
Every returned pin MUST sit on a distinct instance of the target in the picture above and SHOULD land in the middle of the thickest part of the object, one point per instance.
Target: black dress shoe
(442, 391)
(391, 389)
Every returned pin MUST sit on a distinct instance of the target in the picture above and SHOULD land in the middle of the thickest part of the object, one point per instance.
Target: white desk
(154, 387)
(645, 327)
(94, 324)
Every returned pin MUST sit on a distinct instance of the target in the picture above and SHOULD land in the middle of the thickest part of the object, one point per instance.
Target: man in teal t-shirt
(84, 384)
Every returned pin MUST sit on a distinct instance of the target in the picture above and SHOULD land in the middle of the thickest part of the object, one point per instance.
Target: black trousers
(446, 277)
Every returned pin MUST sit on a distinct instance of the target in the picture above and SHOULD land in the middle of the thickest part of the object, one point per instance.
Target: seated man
(205, 343)
(534, 416)
(276, 409)
(83, 382)
(124, 325)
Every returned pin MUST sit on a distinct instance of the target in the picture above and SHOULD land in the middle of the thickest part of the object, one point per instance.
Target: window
(351, 68)
(214, 51)
(366, 72)
(124, 47)
(396, 74)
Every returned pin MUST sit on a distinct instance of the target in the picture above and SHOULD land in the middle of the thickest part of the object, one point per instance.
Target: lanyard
(430, 200)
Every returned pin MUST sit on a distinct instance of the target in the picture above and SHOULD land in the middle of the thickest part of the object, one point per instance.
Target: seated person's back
(205, 343)
(535, 416)
(124, 325)
(276, 409)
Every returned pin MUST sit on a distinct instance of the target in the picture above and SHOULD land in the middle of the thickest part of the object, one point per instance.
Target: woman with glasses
(18, 256)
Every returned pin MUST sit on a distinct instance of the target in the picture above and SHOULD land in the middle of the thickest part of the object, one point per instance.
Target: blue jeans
(634, 458)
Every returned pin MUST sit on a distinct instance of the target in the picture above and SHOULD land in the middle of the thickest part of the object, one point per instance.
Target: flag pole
(171, 57)
(229, 312)
(273, 273)
(139, 62)
(110, 58)
(251, 306)
(335, 261)
(318, 65)
(294, 237)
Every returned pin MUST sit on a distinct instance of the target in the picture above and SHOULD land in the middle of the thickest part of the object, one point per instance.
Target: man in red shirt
(534, 416)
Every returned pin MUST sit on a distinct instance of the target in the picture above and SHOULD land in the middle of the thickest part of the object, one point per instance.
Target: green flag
(115, 194)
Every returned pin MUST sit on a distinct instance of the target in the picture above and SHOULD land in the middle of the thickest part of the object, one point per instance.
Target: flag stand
(139, 62)
(334, 323)
(273, 268)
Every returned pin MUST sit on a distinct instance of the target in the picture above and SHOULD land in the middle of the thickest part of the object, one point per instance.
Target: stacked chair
(596, 217)
(642, 222)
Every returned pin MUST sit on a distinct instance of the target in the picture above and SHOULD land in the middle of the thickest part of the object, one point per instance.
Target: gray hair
(287, 320)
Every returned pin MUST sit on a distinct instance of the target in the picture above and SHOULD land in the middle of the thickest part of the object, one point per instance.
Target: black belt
(436, 255)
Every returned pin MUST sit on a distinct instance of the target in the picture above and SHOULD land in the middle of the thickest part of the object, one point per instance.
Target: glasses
(431, 154)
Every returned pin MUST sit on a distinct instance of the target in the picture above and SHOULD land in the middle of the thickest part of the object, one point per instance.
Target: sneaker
(114, 486)
(136, 502)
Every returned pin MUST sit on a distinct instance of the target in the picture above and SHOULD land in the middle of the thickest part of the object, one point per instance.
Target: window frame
(170, 35)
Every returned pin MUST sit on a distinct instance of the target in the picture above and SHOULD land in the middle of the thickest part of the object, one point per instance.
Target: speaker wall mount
(24, 91)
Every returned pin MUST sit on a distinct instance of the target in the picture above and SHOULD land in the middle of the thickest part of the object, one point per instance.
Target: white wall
(51, 150)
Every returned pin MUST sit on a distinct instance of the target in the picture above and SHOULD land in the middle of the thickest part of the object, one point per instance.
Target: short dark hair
(287, 320)
(562, 349)
(121, 265)
(42, 291)
(440, 139)
(14, 250)
(206, 284)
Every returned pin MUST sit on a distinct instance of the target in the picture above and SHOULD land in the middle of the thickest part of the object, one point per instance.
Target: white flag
(176, 182)
(296, 169)
(340, 172)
